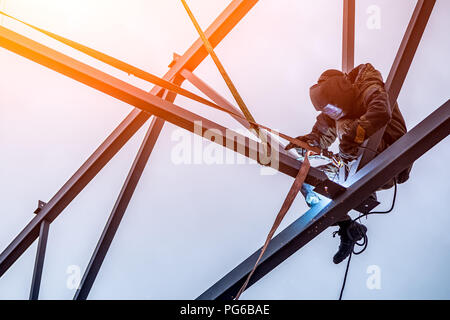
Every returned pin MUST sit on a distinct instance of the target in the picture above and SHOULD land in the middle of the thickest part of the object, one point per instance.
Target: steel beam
(119, 209)
(399, 70)
(221, 26)
(348, 36)
(121, 205)
(384, 167)
(408, 48)
(39, 262)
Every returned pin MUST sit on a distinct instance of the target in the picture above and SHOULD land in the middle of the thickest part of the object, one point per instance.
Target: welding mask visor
(318, 97)
(333, 111)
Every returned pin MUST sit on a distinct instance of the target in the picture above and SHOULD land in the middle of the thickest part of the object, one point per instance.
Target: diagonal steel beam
(119, 209)
(39, 262)
(408, 48)
(221, 26)
(121, 204)
(384, 167)
(399, 70)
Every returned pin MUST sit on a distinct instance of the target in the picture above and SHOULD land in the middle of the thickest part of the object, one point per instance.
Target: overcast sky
(188, 225)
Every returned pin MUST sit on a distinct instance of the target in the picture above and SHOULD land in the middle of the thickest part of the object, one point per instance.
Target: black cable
(383, 212)
(365, 243)
(345, 277)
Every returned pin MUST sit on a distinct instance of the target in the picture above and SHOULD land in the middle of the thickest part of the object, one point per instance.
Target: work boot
(350, 233)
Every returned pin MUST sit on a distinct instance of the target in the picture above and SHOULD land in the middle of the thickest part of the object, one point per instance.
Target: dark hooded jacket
(368, 112)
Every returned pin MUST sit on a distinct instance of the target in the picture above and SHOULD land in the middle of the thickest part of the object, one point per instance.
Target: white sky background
(188, 225)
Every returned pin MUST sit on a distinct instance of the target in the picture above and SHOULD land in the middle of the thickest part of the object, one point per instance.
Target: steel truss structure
(158, 104)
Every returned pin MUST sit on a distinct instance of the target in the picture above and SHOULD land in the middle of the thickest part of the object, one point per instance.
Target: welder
(352, 108)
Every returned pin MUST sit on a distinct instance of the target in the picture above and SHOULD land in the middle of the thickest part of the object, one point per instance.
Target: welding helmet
(333, 94)
(318, 97)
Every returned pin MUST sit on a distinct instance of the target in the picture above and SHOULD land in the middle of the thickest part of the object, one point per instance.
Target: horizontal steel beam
(384, 167)
(223, 24)
(408, 47)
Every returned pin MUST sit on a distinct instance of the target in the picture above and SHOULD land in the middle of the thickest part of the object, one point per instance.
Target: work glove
(310, 139)
(354, 133)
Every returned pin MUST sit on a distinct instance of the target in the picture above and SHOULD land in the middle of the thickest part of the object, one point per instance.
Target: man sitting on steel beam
(352, 108)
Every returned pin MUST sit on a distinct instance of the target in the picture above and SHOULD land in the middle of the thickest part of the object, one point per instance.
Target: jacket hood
(365, 76)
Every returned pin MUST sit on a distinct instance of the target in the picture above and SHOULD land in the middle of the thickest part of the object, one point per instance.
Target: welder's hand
(309, 139)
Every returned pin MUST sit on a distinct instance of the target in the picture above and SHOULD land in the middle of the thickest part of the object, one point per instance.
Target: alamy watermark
(373, 282)
(192, 149)
(73, 277)
(374, 20)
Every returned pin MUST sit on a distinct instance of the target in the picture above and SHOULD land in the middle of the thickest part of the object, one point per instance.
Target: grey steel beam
(384, 167)
(399, 70)
(221, 26)
(348, 36)
(39, 262)
(119, 209)
(121, 205)
(408, 48)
